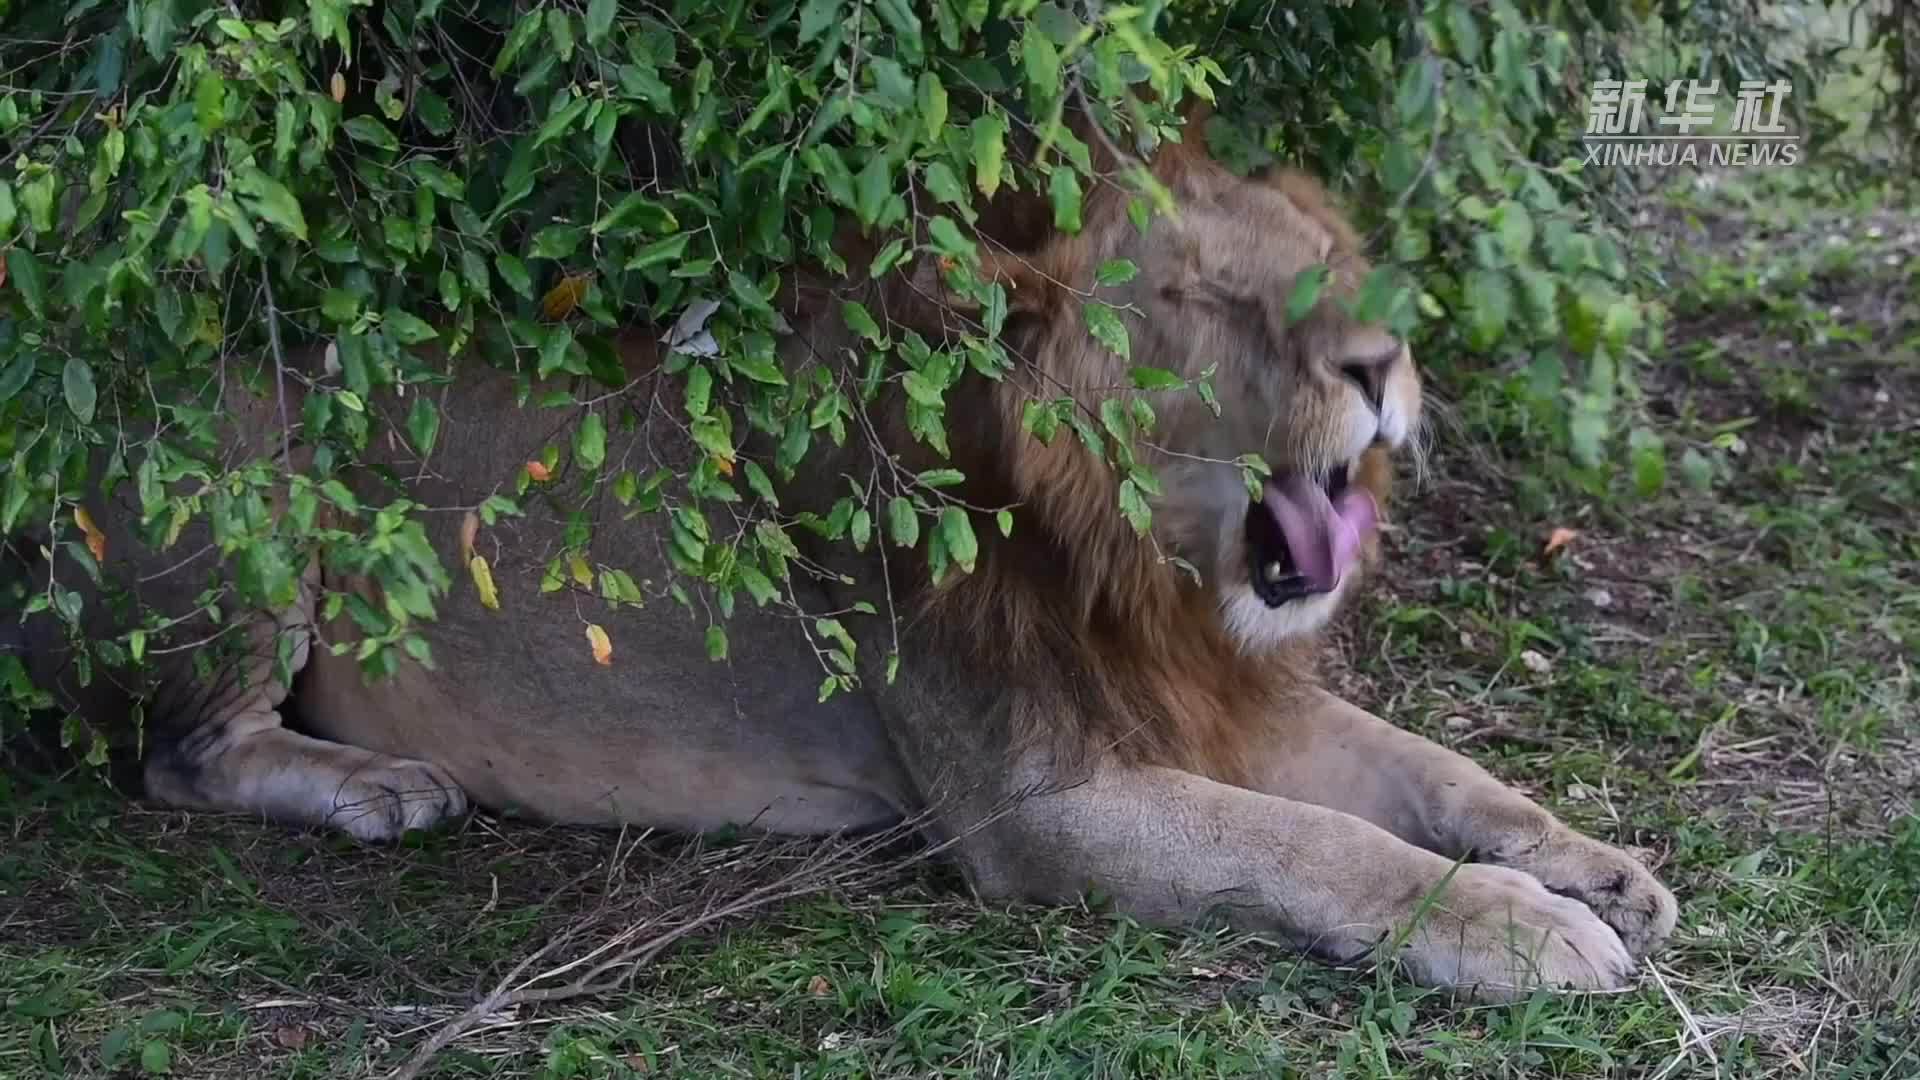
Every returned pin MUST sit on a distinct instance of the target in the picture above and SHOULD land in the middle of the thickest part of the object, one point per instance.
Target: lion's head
(1174, 643)
(1322, 400)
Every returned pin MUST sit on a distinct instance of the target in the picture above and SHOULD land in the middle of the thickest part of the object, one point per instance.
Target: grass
(1718, 673)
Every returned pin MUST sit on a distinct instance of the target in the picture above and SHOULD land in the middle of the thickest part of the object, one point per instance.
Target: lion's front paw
(1613, 883)
(1498, 934)
(385, 797)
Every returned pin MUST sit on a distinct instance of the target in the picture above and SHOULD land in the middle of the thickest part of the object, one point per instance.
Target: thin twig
(279, 368)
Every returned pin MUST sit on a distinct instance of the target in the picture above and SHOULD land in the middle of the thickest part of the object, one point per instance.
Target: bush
(194, 183)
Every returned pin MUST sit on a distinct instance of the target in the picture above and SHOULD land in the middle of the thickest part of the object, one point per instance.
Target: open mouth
(1304, 535)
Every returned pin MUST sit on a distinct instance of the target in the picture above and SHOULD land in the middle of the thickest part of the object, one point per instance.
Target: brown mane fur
(1120, 653)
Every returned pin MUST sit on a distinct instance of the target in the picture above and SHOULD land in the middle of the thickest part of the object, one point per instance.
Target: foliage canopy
(191, 187)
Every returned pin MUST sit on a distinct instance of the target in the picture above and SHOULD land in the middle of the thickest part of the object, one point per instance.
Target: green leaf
(1107, 328)
(77, 382)
(1516, 228)
(939, 478)
(860, 321)
(271, 201)
(1464, 31)
(816, 16)
(1306, 292)
(15, 375)
(947, 237)
(903, 522)
(1133, 504)
(933, 106)
(407, 328)
(637, 211)
(871, 189)
(1649, 455)
(942, 184)
(423, 424)
(1489, 305)
(600, 15)
(660, 251)
(1115, 272)
(1152, 378)
(699, 390)
(957, 530)
(514, 273)
(28, 279)
(372, 132)
(888, 258)
(156, 1057)
(989, 152)
(590, 442)
(1042, 60)
(1063, 188)
(555, 242)
(1696, 469)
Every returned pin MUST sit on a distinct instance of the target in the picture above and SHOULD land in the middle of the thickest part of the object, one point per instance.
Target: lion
(1088, 710)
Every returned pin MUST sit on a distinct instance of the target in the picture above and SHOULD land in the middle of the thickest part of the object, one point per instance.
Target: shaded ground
(1719, 674)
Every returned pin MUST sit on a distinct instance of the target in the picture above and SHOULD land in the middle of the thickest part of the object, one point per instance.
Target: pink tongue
(1323, 535)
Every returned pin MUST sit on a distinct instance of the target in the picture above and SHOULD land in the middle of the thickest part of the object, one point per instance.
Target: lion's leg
(220, 745)
(1337, 755)
(1173, 847)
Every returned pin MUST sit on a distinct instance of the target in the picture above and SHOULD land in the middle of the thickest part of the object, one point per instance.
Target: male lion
(1080, 712)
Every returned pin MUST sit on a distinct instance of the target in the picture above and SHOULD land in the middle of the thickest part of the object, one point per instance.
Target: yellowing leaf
(96, 540)
(469, 532)
(602, 645)
(483, 581)
(564, 297)
(539, 471)
(723, 465)
(338, 87)
(582, 573)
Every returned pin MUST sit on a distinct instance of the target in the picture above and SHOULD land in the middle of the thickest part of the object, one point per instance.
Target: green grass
(1719, 674)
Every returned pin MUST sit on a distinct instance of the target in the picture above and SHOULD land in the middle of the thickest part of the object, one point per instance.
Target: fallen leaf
(564, 297)
(338, 87)
(469, 532)
(538, 471)
(1556, 540)
(1535, 662)
(818, 986)
(96, 540)
(291, 1036)
(637, 1062)
(483, 581)
(602, 645)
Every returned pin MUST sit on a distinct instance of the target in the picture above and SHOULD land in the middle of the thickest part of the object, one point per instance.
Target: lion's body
(520, 713)
(1077, 711)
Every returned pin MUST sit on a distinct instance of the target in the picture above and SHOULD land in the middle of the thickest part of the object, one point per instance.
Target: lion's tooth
(1273, 572)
